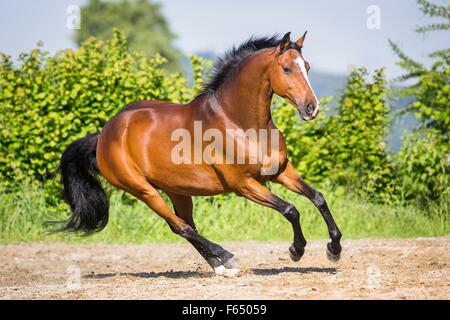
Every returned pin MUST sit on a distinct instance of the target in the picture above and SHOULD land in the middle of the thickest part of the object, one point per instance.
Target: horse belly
(184, 179)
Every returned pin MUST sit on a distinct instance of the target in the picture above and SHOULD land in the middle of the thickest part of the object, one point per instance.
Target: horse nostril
(309, 108)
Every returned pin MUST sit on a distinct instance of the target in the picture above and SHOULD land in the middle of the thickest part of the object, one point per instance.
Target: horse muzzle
(309, 111)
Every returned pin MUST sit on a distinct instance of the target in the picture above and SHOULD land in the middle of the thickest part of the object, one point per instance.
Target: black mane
(226, 64)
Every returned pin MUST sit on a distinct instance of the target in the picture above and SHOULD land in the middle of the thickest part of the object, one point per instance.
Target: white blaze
(301, 64)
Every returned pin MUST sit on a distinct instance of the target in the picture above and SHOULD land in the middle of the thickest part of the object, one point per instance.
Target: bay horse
(134, 150)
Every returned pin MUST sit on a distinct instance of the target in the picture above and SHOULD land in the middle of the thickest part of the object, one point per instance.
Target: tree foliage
(433, 10)
(423, 162)
(142, 22)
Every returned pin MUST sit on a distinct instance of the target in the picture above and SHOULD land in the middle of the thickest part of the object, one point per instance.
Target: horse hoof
(224, 272)
(295, 253)
(231, 263)
(332, 256)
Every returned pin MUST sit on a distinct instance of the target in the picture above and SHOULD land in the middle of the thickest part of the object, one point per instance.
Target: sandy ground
(375, 269)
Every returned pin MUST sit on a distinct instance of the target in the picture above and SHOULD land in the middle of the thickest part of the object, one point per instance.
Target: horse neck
(246, 97)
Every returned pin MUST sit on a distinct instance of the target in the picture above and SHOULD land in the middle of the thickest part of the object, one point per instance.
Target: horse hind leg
(144, 191)
(226, 264)
(134, 183)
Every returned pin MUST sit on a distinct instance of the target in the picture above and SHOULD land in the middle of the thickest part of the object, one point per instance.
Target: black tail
(82, 188)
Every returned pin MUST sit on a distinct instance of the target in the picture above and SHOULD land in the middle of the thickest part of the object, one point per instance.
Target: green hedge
(48, 102)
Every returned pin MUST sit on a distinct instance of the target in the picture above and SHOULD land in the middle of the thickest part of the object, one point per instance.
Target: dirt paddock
(377, 269)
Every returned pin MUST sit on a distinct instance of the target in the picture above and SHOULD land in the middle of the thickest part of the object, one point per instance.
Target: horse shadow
(150, 275)
(276, 271)
(199, 274)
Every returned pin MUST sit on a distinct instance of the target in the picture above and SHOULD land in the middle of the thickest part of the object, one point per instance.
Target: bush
(48, 102)
(423, 162)
(423, 166)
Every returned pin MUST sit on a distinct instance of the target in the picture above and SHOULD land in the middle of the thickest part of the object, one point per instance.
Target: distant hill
(327, 84)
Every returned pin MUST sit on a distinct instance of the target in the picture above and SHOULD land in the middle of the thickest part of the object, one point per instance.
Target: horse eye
(286, 69)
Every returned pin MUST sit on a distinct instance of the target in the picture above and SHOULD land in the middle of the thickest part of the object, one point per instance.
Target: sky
(338, 36)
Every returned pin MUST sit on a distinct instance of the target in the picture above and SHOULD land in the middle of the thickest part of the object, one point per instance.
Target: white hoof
(224, 272)
(232, 263)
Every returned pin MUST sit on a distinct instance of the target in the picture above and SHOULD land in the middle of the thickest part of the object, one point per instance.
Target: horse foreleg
(290, 179)
(253, 190)
(183, 209)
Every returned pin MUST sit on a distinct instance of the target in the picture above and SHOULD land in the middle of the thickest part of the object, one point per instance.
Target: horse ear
(286, 41)
(300, 41)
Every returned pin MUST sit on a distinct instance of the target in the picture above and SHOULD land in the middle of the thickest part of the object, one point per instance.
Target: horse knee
(319, 199)
(291, 213)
